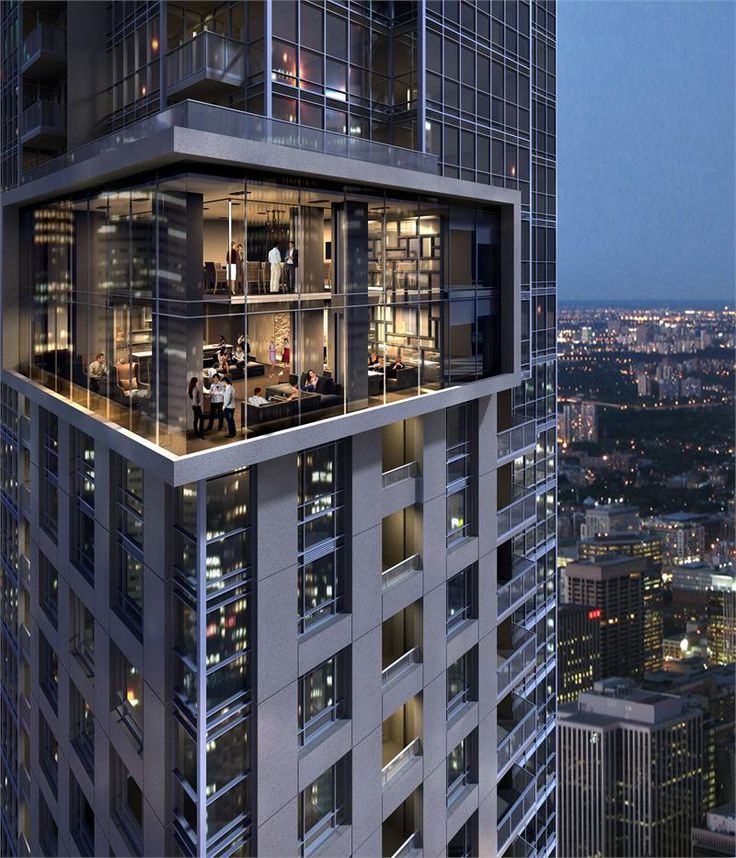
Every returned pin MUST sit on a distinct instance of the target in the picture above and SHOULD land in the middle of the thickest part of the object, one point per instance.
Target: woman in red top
(285, 352)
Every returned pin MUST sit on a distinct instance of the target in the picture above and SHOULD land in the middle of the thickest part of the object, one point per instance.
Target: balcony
(516, 726)
(400, 571)
(397, 475)
(203, 66)
(516, 654)
(410, 848)
(43, 124)
(520, 848)
(518, 514)
(401, 666)
(514, 591)
(401, 761)
(516, 441)
(43, 54)
(516, 800)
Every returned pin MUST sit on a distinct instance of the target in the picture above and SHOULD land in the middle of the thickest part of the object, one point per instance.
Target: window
(459, 469)
(321, 808)
(461, 845)
(82, 729)
(82, 640)
(129, 543)
(81, 819)
(459, 684)
(127, 695)
(321, 697)
(126, 801)
(48, 753)
(458, 769)
(50, 474)
(82, 542)
(48, 670)
(320, 516)
(48, 829)
(48, 589)
(460, 598)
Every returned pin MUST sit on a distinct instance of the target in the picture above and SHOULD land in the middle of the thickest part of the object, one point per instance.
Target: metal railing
(210, 53)
(397, 475)
(199, 116)
(44, 114)
(516, 513)
(515, 806)
(130, 718)
(24, 638)
(402, 664)
(319, 832)
(43, 37)
(313, 727)
(517, 438)
(402, 759)
(517, 735)
(409, 846)
(523, 581)
(25, 501)
(511, 665)
(520, 848)
(24, 567)
(84, 650)
(401, 570)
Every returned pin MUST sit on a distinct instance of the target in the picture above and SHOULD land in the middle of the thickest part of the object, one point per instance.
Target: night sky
(645, 149)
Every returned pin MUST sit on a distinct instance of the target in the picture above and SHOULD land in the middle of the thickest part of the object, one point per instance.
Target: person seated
(223, 361)
(98, 367)
(239, 356)
(397, 364)
(310, 381)
(223, 342)
(258, 398)
(374, 360)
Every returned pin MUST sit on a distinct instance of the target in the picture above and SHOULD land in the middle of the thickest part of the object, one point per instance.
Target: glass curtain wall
(141, 303)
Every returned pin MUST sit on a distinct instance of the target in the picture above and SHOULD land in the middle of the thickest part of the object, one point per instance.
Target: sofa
(273, 411)
(329, 391)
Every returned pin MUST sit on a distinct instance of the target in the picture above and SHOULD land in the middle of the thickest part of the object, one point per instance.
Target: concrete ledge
(396, 693)
(324, 751)
(319, 644)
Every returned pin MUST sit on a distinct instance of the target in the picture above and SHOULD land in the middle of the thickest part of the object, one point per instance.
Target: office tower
(648, 547)
(334, 631)
(629, 773)
(578, 650)
(579, 421)
(608, 519)
(683, 536)
(613, 588)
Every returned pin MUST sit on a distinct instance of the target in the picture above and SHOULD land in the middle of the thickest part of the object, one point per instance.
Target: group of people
(309, 385)
(222, 404)
(375, 361)
(278, 264)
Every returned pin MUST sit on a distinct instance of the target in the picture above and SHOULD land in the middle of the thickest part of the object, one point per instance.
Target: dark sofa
(329, 391)
(285, 410)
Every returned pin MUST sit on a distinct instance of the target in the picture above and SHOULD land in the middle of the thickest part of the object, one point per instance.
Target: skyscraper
(278, 332)
(630, 772)
(578, 650)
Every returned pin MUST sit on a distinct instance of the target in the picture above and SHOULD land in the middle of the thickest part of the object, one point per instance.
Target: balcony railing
(512, 441)
(319, 832)
(43, 38)
(511, 665)
(84, 650)
(401, 760)
(25, 501)
(401, 665)
(514, 805)
(24, 637)
(516, 513)
(401, 570)
(199, 116)
(513, 735)
(43, 116)
(520, 848)
(24, 567)
(397, 475)
(207, 55)
(523, 581)
(411, 846)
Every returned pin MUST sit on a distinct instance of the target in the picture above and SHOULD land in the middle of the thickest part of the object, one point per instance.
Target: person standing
(196, 396)
(292, 263)
(271, 352)
(274, 260)
(217, 394)
(228, 406)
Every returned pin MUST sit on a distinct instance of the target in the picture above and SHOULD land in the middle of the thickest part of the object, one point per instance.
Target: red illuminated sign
(595, 615)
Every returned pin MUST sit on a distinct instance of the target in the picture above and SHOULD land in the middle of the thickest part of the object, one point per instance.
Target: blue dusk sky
(646, 124)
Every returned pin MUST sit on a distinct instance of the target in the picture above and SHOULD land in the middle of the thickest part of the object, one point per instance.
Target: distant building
(648, 547)
(722, 625)
(691, 387)
(683, 536)
(578, 421)
(718, 837)
(643, 384)
(629, 773)
(578, 651)
(608, 519)
(613, 587)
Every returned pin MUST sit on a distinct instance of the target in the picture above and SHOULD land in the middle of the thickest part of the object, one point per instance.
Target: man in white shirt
(228, 407)
(274, 260)
(257, 398)
(217, 394)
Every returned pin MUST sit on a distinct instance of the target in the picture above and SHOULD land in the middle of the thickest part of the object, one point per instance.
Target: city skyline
(646, 168)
